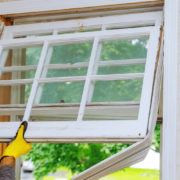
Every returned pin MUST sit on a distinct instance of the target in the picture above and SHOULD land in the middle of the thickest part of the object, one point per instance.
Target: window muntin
(120, 128)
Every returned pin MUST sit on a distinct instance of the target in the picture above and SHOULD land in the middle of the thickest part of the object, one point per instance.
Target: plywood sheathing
(88, 9)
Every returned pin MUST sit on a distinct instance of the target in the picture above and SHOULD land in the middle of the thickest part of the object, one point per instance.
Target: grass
(126, 174)
(134, 174)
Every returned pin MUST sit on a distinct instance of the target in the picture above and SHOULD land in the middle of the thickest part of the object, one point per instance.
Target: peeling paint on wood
(29, 7)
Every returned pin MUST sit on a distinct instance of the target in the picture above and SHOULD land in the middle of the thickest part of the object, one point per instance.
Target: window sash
(91, 130)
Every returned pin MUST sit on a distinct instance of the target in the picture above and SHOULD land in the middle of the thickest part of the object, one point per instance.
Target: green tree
(48, 157)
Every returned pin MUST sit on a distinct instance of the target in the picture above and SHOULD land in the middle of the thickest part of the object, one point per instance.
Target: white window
(80, 80)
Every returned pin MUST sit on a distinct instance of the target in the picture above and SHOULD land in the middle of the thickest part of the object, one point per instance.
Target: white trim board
(170, 152)
(34, 6)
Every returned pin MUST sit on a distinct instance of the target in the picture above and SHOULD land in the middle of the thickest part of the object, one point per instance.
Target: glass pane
(67, 72)
(71, 53)
(30, 74)
(124, 49)
(66, 92)
(121, 69)
(15, 94)
(21, 57)
(117, 90)
(33, 55)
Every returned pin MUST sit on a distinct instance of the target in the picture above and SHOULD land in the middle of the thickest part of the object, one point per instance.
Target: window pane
(71, 53)
(33, 55)
(124, 49)
(67, 72)
(22, 56)
(117, 90)
(66, 92)
(121, 69)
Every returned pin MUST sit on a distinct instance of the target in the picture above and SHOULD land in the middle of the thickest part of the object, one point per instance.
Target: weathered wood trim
(6, 22)
(29, 19)
(30, 7)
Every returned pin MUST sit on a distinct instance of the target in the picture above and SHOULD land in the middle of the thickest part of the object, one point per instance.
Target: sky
(152, 161)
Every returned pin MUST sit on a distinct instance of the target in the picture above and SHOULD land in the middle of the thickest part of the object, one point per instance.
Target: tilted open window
(84, 80)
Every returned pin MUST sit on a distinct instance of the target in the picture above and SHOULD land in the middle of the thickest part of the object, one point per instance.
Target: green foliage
(72, 53)
(48, 157)
(156, 139)
(124, 49)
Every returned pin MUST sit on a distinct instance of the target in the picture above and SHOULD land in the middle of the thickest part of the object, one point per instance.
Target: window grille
(94, 111)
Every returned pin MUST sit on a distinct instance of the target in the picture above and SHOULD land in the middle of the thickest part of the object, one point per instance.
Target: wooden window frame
(81, 131)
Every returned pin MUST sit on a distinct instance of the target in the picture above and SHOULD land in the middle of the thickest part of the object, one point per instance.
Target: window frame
(83, 131)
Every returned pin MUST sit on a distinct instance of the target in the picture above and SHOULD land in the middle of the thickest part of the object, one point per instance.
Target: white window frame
(83, 131)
